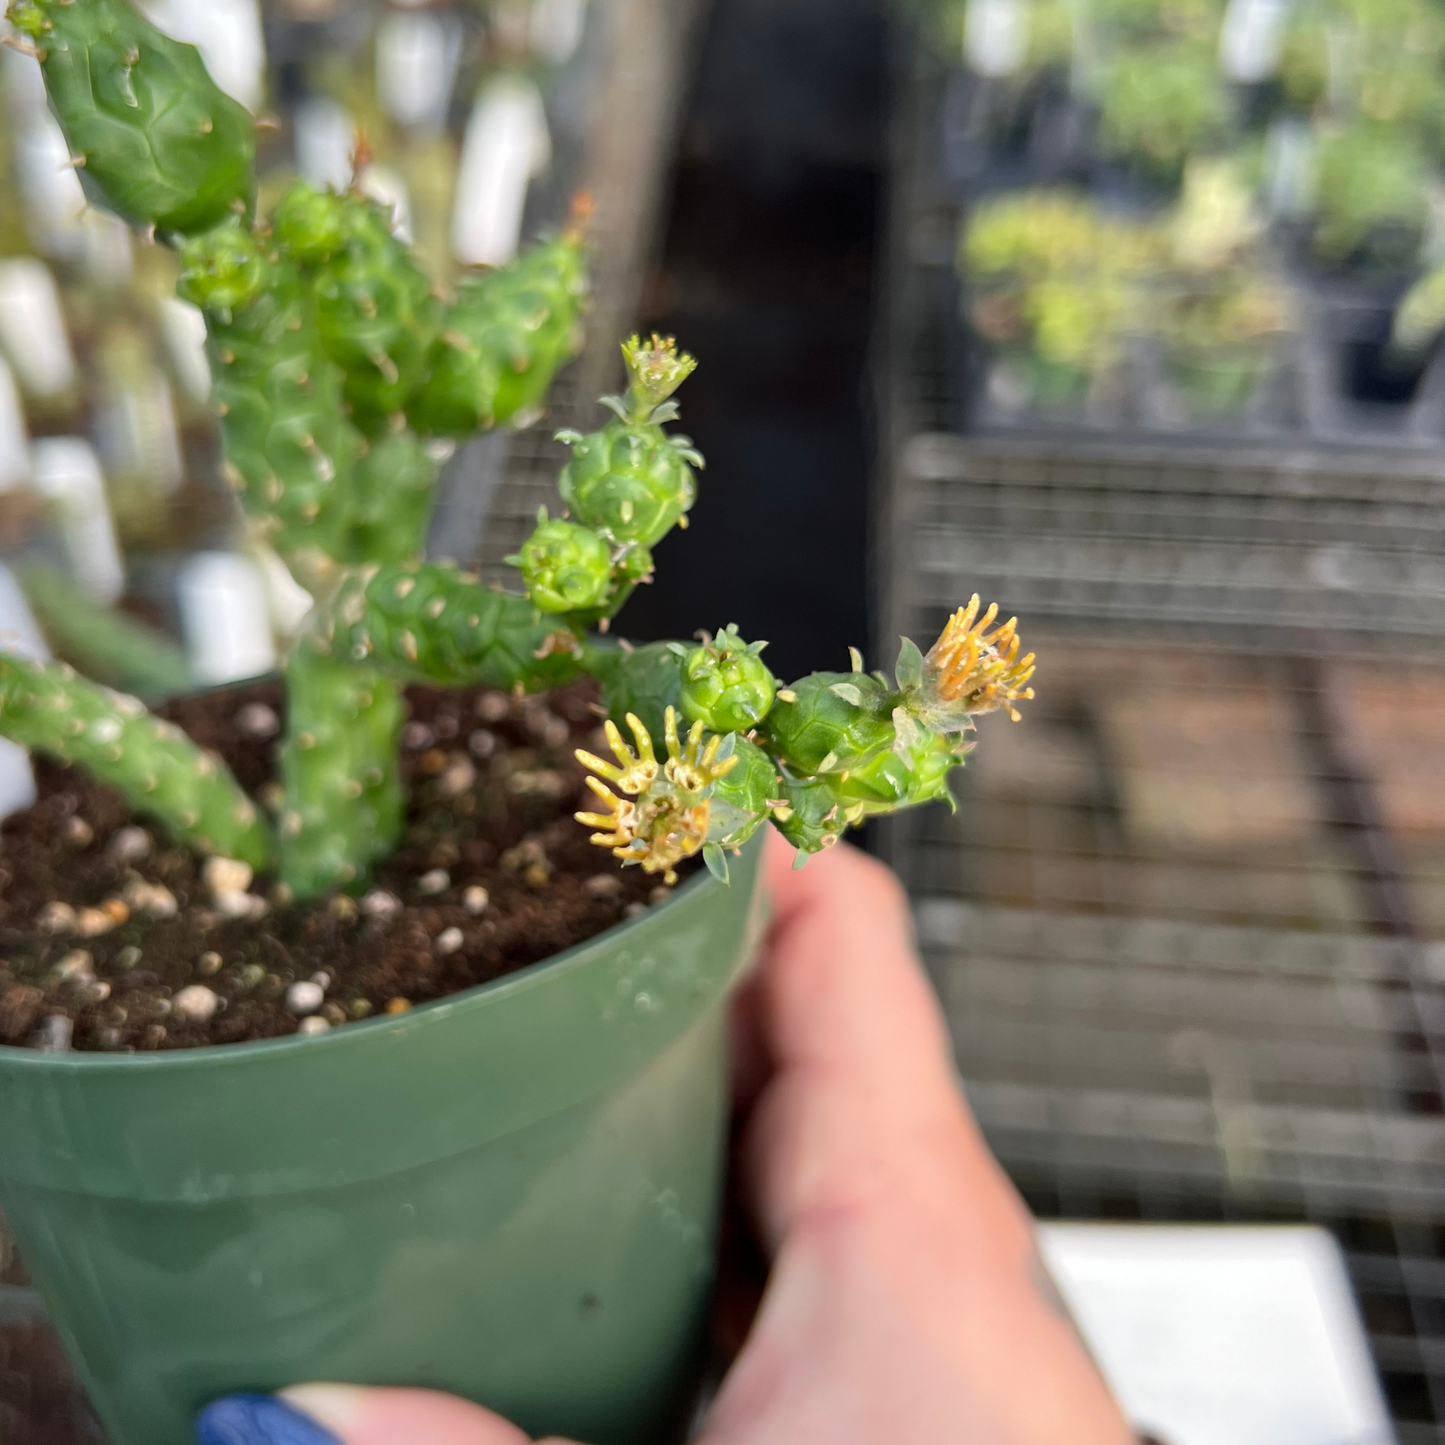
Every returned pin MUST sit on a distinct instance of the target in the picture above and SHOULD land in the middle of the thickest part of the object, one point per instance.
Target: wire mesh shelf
(1187, 926)
(621, 161)
(1188, 922)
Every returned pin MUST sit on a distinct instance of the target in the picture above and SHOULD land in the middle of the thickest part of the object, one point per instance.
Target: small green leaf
(909, 670)
(848, 692)
(716, 860)
(800, 860)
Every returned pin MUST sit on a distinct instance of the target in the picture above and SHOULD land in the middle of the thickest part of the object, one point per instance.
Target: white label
(107, 246)
(14, 438)
(416, 67)
(1223, 1335)
(1251, 39)
(225, 617)
(506, 144)
(138, 432)
(19, 635)
(289, 602)
(388, 189)
(184, 329)
(67, 473)
(1289, 164)
(229, 36)
(32, 327)
(325, 138)
(996, 36)
(23, 84)
(555, 28)
(50, 190)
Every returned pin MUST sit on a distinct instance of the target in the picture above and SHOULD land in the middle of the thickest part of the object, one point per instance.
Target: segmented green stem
(160, 771)
(290, 450)
(166, 146)
(502, 341)
(393, 488)
(431, 622)
(339, 770)
(112, 647)
(376, 311)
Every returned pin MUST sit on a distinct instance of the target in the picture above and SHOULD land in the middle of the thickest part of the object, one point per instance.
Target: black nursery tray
(1334, 380)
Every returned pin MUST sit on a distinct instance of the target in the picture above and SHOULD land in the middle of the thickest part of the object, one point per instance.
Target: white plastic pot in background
(32, 327)
(67, 474)
(20, 635)
(225, 618)
(506, 144)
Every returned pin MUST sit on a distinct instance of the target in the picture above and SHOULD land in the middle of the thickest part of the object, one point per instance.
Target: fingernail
(335, 1406)
(258, 1420)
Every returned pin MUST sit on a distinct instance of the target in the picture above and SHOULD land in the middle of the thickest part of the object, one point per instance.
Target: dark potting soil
(493, 873)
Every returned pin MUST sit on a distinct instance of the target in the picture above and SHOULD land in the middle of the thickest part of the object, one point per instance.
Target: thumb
(353, 1415)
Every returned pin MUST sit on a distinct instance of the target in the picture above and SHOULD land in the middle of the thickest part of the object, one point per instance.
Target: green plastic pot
(511, 1194)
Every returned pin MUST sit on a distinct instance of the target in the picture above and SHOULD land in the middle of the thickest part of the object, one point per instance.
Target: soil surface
(112, 939)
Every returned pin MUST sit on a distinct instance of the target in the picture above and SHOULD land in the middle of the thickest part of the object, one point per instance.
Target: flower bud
(726, 685)
(567, 568)
(222, 269)
(310, 224)
(633, 483)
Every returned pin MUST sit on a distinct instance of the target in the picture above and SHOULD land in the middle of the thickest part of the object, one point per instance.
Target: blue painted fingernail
(258, 1420)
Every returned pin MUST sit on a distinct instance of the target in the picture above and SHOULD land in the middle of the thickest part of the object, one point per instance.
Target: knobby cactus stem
(158, 769)
(139, 110)
(342, 379)
(339, 771)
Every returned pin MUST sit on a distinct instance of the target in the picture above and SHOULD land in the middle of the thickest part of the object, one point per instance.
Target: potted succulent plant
(1217, 313)
(348, 1063)
(1160, 104)
(1052, 287)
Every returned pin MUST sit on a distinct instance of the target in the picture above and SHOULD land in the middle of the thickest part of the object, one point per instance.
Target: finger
(840, 982)
(358, 1416)
(862, 1085)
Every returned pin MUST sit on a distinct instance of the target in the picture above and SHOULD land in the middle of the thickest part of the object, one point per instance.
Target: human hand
(906, 1301)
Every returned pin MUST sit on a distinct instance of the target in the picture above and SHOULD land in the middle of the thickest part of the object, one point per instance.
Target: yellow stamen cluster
(669, 821)
(979, 668)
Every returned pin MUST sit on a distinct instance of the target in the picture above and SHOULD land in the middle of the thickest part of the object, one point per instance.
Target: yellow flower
(978, 670)
(669, 822)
